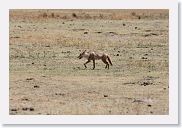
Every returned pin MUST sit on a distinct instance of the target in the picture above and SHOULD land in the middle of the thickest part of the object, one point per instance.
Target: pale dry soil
(47, 78)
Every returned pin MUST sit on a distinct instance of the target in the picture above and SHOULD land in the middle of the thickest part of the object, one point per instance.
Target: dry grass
(117, 14)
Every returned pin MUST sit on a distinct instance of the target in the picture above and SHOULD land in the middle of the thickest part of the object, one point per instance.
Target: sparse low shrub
(45, 15)
(64, 17)
(101, 16)
(87, 16)
(74, 15)
(133, 14)
(52, 15)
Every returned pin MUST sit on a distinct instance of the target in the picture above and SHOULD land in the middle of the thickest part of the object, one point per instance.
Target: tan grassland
(47, 78)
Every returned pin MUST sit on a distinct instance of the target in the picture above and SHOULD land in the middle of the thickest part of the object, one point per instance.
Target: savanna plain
(47, 78)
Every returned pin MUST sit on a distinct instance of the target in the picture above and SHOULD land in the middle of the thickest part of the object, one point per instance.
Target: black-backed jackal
(94, 56)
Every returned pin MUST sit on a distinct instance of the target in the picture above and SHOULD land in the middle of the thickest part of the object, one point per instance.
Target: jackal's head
(81, 54)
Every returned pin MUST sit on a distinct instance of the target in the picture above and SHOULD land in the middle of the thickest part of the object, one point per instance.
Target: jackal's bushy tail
(109, 60)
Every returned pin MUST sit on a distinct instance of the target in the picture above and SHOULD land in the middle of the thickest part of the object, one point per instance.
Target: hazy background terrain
(46, 77)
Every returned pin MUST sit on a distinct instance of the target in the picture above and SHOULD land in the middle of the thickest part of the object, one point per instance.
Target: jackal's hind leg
(107, 64)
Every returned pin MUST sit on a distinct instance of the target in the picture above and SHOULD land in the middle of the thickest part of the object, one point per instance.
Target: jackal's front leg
(93, 64)
(86, 63)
